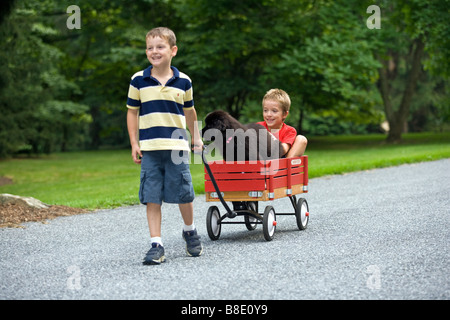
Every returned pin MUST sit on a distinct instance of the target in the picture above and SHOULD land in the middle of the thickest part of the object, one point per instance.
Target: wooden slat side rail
(275, 178)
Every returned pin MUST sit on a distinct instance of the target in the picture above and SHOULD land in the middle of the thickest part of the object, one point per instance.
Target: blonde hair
(280, 96)
(163, 33)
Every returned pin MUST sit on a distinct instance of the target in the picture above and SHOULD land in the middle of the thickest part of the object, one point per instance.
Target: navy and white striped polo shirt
(162, 124)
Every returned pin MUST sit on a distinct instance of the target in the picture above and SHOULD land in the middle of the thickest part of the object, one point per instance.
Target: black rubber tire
(302, 213)
(268, 223)
(213, 228)
(250, 224)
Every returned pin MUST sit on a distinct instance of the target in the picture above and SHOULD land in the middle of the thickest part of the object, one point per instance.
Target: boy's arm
(133, 127)
(286, 147)
(192, 124)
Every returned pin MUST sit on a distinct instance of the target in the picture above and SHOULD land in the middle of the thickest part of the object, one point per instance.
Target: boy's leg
(194, 247)
(187, 213)
(298, 148)
(154, 219)
(150, 191)
(156, 254)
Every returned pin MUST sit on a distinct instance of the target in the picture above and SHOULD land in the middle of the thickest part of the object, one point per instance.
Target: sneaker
(194, 247)
(155, 255)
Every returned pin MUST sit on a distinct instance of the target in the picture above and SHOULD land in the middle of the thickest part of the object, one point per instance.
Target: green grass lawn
(99, 179)
(105, 179)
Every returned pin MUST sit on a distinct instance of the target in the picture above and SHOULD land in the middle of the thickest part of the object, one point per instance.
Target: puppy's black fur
(238, 142)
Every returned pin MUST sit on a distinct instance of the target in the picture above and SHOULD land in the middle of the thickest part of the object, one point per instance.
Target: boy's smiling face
(273, 114)
(159, 53)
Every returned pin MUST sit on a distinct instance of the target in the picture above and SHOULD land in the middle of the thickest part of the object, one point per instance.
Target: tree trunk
(236, 103)
(95, 128)
(300, 122)
(397, 119)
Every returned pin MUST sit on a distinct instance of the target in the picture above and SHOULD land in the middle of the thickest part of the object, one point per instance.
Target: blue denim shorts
(165, 177)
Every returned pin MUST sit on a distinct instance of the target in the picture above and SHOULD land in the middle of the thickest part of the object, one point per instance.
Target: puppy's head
(218, 120)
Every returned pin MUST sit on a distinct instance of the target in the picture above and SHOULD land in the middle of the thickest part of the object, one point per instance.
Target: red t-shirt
(286, 134)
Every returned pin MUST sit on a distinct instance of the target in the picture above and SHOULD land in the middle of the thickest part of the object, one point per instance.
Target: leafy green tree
(33, 118)
(227, 44)
(414, 36)
(328, 63)
(6, 7)
(318, 51)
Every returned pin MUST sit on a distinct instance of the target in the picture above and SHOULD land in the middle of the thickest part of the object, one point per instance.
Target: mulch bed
(13, 215)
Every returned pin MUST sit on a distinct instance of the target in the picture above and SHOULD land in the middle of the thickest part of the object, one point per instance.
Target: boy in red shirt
(276, 104)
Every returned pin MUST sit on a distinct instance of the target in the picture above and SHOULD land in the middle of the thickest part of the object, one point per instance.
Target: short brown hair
(163, 33)
(280, 96)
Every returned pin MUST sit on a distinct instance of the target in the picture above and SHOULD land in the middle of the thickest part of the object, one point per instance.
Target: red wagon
(247, 183)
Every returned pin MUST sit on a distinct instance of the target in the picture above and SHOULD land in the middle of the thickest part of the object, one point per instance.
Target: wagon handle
(230, 214)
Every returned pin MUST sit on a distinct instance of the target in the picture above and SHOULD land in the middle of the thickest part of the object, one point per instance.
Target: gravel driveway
(378, 234)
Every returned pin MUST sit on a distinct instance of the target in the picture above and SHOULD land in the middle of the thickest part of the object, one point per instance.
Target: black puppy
(238, 142)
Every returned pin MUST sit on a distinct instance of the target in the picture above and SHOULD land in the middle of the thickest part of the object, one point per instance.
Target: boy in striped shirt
(160, 106)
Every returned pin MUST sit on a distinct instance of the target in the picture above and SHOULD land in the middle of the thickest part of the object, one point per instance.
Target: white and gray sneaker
(155, 255)
(194, 247)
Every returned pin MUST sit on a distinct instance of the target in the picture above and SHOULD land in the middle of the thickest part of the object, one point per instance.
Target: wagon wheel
(269, 223)
(212, 223)
(250, 221)
(302, 213)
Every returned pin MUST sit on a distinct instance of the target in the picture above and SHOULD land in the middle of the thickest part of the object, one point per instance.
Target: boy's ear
(285, 114)
(174, 51)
